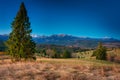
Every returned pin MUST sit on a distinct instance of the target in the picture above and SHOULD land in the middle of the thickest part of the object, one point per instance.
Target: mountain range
(72, 41)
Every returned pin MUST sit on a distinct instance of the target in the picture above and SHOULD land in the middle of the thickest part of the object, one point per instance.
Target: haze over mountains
(72, 41)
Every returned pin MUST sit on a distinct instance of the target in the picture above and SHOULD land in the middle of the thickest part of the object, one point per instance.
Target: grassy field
(59, 69)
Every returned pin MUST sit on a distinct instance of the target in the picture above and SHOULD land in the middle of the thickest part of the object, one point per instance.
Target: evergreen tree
(20, 44)
(100, 52)
(66, 54)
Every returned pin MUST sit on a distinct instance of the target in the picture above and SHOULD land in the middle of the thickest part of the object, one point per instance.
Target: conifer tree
(100, 52)
(20, 44)
(66, 54)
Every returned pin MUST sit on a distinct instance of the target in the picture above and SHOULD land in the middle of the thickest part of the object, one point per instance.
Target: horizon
(94, 19)
(35, 35)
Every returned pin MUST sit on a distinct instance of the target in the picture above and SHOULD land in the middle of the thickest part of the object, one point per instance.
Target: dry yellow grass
(2, 53)
(58, 69)
(114, 55)
(3, 56)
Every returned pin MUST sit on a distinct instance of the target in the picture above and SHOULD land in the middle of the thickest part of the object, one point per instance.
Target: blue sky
(91, 18)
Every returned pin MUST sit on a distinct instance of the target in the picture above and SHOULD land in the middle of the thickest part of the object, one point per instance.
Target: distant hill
(2, 45)
(4, 37)
(71, 41)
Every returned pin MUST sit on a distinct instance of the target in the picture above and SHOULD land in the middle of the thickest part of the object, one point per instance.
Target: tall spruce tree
(20, 44)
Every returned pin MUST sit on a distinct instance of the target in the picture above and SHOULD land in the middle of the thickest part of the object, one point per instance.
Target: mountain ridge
(74, 41)
(70, 40)
(60, 35)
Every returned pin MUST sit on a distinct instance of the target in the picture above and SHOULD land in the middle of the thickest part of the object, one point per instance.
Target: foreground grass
(59, 69)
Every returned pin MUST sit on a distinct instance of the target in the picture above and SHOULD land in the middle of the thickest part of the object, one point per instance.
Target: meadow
(59, 69)
(83, 68)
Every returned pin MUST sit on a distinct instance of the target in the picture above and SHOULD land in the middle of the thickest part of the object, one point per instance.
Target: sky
(87, 18)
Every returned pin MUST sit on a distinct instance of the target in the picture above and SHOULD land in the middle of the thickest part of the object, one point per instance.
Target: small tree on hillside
(66, 54)
(100, 52)
(20, 44)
